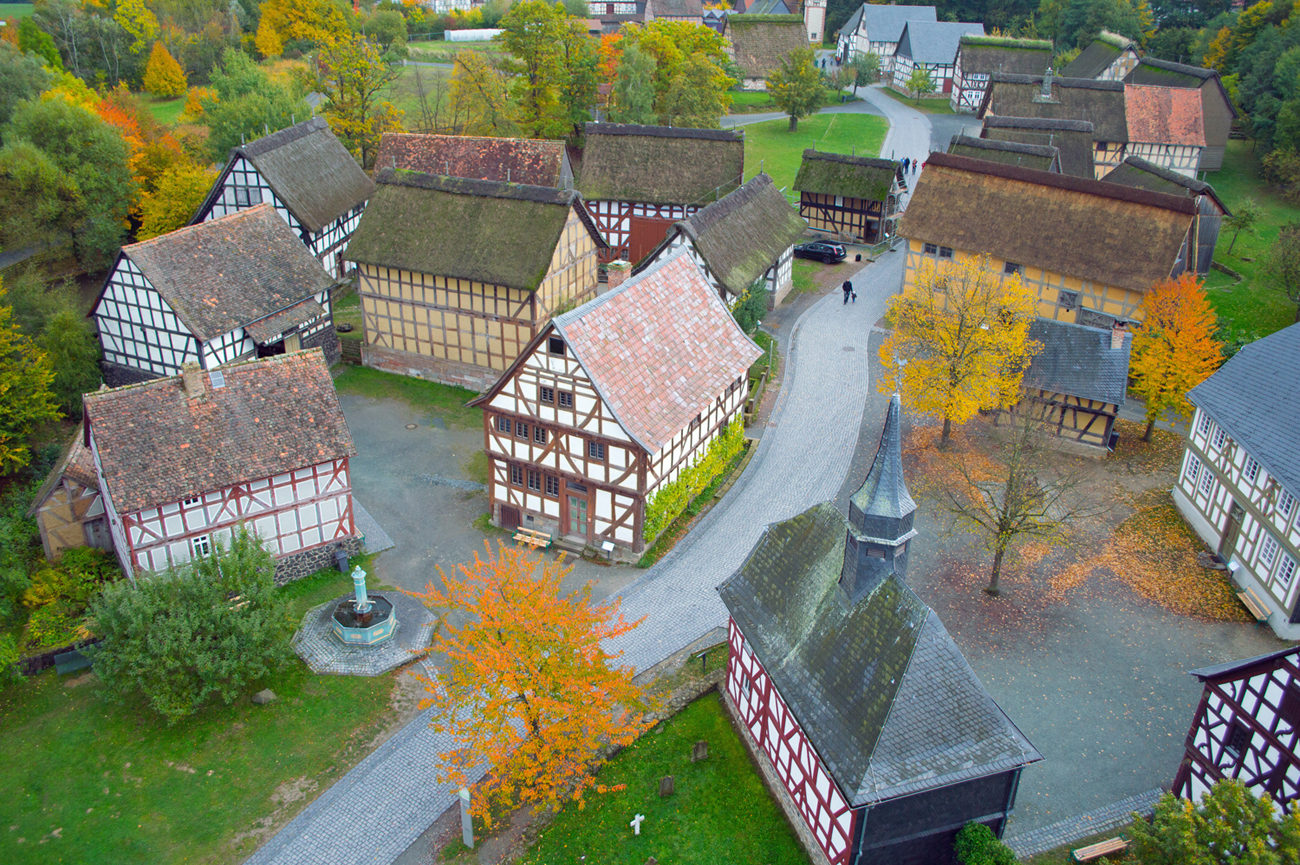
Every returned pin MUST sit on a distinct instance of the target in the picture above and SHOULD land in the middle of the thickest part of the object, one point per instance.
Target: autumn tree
(1174, 348)
(479, 95)
(25, 397)
(179, 192)
(672, 44)
(796, 86)
(1229, 825)
(163, 76)
(352, 75)
(533, 33)
(921, 83)
(267, 41)
(692, 99)
(959, 341)
(318, 21)
(138, 21)
(1282, 263)
(634, 95)
(1243, 218)
(527, 680)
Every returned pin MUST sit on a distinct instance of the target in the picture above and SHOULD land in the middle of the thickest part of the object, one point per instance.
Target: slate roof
(1101, 103)
(1164, 115)
(745, 233)
(884, 492)
(659, 164)
(496, 233)
(886, 23)
(1072, 137)
(934, 42)
(76, 462)
(1073, 226)
(988, 54)
(1217, 670)
(1037, 156)
(1138, 172)
(308, 169)
(761, 42)
(1097, 57)
(531, 161)
(657, 372)
(768, 7)
(1078, 361)
(862, 177)
(1257, 405)
(229, 272)
(888, 701)
(855, 19)
(272, 416)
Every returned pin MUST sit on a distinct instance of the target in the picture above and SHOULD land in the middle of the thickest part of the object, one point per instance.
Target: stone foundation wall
(297, 565)
(328, 341)
(475, 378)
(118, 376)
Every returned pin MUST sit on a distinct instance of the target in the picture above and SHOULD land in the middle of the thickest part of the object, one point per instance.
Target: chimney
(1117, 335)
(618, 271)
(1045, 93)
(192, 376)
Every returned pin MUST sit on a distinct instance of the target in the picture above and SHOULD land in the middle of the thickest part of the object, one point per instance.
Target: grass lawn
(100, 782)
(780, 151)
(440, 400)
(928, 104)
(1249, 309)
(805, 276)
(16, 10)
(1061, 855)
(165, 111)
(720, 812)
(347, 310)
(760, 101)
(441, 51)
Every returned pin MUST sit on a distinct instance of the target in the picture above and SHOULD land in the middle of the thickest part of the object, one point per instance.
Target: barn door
(509, 518)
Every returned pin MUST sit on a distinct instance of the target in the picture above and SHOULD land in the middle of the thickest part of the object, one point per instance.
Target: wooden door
(1230, 530)
(578, 522)
(292, 342)
(509, 518)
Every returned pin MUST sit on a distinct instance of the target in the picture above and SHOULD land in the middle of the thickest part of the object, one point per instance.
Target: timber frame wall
(635, 229)
(778, 279)
(967, 88)
(858, 217)
(72, 515)
(1087, 421)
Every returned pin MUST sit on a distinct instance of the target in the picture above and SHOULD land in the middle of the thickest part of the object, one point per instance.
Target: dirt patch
(84, 679)
(294, 790)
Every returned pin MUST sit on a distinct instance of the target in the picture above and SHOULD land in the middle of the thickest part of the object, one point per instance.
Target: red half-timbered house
(849, 688)
(182, 461)
(638, 181)
(607, 405)
(1246, 728)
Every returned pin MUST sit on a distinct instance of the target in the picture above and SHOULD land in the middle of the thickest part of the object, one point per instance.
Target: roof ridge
(866, 161)
(1079, 83)
(281, 137)
(1171, 66)
(594, 128)
(301, 354)
(1009, 121)
(257, 210)
(474, 187)
(962, 139)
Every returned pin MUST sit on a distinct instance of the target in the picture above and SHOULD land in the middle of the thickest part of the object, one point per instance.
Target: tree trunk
(794, 123)
(1234, 243)
(1151, 422)
(947, 432)
(997, 571)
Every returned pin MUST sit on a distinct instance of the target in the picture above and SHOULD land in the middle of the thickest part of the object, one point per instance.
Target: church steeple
(880, 516)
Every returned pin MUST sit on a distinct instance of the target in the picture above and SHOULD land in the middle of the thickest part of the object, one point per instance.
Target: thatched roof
(745, 233)
(1164, 115)
(1109, 234)
(985, 55)
(1037, 156)
(934, 42)
(659, 164)
(531, 161)
(1101, 103)
(761, 42)
(1097, 57)
(496, 233)
(1072, 137)
(862, 177)
(1141, 174)
(677, 8)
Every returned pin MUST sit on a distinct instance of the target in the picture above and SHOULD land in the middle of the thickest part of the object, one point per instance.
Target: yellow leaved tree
(163, 76)
(959, 340)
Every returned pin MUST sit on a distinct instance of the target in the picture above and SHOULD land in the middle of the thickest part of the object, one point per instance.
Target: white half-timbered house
(850, 693)
(310, 179)
(68, 508)
(182, 461)
(1240, 477)
(1247, 727)
(608, 404)
(745, 238)
(930, 45)
(1165, 126)
(875, 29)
(638, 181)
(212, 293)
(978, 57)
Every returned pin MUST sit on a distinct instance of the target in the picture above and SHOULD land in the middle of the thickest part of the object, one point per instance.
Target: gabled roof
(657, 372)
(745, 233)
(1101, 103)
(229, 272)
(531, 161)
(888, 701)
(1073, 226)
(1243, 666)
(308, 169)
(885, 23)
(862, 177)
(768, 7)
(159, 445)
(1165, 73)
(496, 233)
(1078, 361)
(1139, 173)
(1097, 57)
(855, 19)
(76, 462)
(1037, 156)
(1164, 115)
(1257, 405)
(761, 42)
(659, 164)
(934, 42)
(1072, 137)
(988, 54)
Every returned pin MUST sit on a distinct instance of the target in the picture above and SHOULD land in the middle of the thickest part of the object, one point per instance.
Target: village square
(788, 431)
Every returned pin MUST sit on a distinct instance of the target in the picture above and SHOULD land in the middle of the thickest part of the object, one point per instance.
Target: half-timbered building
(855, 196)
(1109, 57)
(68, 509)
(978, 57)
(612, 16)
(307, 176)
(1164, 126)
(691, 11)
(1217, 110)
(1140, 174)
(1090, 250)
(213, 293)
(457, 276)
(875, 29)
(1040, 157)
(1073, 138)
(1077, 381)
(870, 725)
(760, 42)
(1246, 727)
(638, 181)
(182, 461)
(932, 46)
(743, 242)
(530, 161)
(1240, 477)
(607, 405)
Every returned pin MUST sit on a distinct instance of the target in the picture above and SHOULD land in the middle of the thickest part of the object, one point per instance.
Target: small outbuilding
(1109, 57)
(759, 43)
(68, 508)
(1076, 383)
(849, 195)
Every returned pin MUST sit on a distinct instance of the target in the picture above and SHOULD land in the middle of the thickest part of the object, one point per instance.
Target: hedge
(671, 499)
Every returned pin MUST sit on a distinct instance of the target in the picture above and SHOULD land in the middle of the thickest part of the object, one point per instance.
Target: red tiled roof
(1163, 115)
(157, 445)
(658, 371)
(532, 161)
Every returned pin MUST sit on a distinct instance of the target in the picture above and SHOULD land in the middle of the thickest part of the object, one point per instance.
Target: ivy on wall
(671, 499)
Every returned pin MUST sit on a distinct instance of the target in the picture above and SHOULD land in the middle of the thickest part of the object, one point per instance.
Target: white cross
(636, 824)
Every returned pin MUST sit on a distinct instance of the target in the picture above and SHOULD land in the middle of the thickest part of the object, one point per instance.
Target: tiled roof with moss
(761, 42)
(536, 162)
(985, 55)
(863, 177)
(1164, 115)
(1101, 103)
(659, 164)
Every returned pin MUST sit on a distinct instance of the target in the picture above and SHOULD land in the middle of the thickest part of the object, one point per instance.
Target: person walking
(848, 289)
(914, 164)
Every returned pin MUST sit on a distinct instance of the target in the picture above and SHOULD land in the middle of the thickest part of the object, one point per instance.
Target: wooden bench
(533, 538)
(1254, 604)
(1101, 848)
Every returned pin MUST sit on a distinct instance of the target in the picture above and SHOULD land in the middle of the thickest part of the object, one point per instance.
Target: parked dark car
(825, 251)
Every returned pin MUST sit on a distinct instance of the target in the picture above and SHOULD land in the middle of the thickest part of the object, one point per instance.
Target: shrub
(59, 594)
(673, 498)
(1282, 169)
(9, 671)
(977, 845)
(178, 639)
(751, 306)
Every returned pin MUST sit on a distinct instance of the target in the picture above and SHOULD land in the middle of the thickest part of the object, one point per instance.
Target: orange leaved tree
(526, 682)
(1174, 348)
(959, 341)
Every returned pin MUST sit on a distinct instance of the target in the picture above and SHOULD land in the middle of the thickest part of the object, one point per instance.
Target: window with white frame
(1220, 439)
(1251, 470)
(1267, 552)
(201, 545)
(1285, 505)
(1207, 481)
(1286, 572)
(1193, 467)
(1205, 425)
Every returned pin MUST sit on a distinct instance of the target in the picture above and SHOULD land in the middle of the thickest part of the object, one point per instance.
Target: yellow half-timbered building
(68, 508)
(457, 276)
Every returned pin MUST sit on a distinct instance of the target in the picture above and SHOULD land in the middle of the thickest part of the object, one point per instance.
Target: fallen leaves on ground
(1164, 451)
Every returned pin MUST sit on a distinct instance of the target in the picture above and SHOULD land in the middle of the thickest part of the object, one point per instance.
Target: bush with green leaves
(60, 592)
(751, 306)
(205, 630)
(1229, 824)
(977, 845)
(673, 498)
(9, 657)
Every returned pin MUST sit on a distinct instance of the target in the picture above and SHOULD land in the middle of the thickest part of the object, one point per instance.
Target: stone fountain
(362, 620)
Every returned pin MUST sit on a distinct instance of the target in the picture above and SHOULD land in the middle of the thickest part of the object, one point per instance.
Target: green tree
(1228, 826)
(692, 98)
(977, 845)
(74, 355)
(580, 59)
(387, 27)
(1281, 265)
(33, 40)
(22, 76)
(181, 189)
(1247, 213)
(534, 36)
(480, 97)
(920, 82)
(176, 640)
(25, 397)
(866, 70)
(352, 75)
(796, 86)
(39, 203)
(634, 93)
(248, 104)
(672, 44)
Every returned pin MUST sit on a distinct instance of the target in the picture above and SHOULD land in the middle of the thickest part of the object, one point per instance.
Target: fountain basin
(363, 628)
